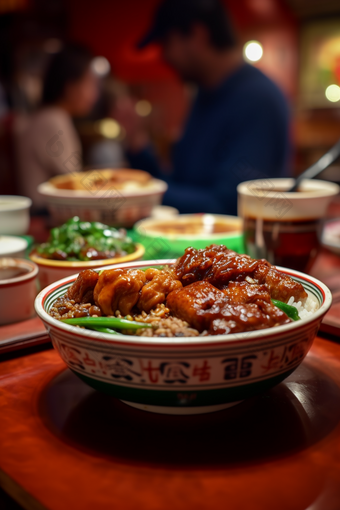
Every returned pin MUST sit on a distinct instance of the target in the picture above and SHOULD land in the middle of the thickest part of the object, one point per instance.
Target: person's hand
(136, 135)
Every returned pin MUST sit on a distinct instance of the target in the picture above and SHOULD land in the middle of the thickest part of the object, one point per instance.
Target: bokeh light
(109, 128)
(332, 93)
(253, 51)
(101, 66)
(143, 108)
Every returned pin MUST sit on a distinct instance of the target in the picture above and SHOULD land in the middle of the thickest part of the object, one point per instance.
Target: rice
(163, 324)
(169, 327)
(306, 307)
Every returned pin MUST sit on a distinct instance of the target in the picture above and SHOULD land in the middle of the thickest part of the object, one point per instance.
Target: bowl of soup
(163, 238)
(18, 289)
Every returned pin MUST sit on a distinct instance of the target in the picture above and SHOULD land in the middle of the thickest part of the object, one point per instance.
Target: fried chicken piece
(216, 264)
(159, 284)
(188, 303)
(240, 293)
(118, 289)
(247, 317)
(219, 266)
(82, 289)
(280, 285)
(205, 307)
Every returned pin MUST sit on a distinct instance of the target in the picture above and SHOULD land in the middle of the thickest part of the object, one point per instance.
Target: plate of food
(77, 245)
(192, 335)
(331, 236)
(118, 197)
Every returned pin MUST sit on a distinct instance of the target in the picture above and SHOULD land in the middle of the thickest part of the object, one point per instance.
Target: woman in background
(47, 142)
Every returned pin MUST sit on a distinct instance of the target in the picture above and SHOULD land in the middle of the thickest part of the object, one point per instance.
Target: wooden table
(64, 446)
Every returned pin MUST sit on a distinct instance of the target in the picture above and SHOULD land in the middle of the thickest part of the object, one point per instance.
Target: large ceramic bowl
(187, 375)
(168, 237)
(114, 207)
(52, 270)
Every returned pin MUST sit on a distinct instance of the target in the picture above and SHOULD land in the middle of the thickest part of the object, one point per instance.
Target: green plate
(162, 248)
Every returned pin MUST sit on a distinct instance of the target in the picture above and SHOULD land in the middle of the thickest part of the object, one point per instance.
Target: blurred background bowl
(169, 237)
(11, 246)
(14, 214)
(18, 289)
(52, 270)
(284, 227)
(115, 206)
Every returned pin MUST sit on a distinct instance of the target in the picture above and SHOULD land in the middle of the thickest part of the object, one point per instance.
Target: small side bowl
(184, 375)
(11, 246)
(17, 292)
(14, 214)
(53, 270)
(150, 232)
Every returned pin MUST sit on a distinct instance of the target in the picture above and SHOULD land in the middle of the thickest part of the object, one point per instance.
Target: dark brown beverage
(292, 244)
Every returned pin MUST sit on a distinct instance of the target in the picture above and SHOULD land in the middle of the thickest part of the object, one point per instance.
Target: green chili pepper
(289, 310)
(107, 322)
(101, 329)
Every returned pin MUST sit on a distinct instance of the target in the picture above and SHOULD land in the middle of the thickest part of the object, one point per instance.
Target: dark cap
(181, 14)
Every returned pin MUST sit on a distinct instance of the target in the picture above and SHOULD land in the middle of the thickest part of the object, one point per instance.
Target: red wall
(112, 28)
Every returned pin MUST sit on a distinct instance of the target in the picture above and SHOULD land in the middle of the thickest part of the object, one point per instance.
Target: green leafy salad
(83, 240)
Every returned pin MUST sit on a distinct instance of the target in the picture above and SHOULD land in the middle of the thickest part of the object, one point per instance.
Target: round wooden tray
(63, 445)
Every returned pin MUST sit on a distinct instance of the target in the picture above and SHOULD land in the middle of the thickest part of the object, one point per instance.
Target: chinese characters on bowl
(184, 375)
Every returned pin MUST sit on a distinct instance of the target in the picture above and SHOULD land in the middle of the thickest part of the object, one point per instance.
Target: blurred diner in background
(44, 139)
(203, 94)
(239, 121)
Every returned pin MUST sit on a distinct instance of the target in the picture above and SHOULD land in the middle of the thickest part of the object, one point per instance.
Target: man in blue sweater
(238, 128)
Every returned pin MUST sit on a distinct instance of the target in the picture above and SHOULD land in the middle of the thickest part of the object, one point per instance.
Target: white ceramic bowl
(18, 289)
(112, 207)
(269, 199)
(284, 227)
(14, 214)
(11, 246)
(184, 375)
(53, 270)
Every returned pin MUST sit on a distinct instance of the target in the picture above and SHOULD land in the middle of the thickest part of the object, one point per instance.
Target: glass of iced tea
(284, 227)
